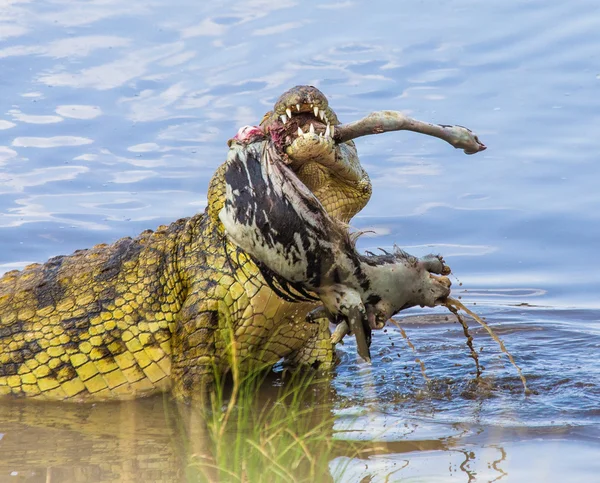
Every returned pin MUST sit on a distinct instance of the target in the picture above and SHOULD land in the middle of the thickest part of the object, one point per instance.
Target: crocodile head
(301, 123)
(301, 129)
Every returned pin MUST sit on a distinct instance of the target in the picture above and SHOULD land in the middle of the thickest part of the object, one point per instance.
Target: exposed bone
(288, 111)
(341, 331)
(384, 121)
(363, 341)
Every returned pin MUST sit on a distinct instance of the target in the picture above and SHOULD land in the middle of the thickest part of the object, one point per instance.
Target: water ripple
(133, 102)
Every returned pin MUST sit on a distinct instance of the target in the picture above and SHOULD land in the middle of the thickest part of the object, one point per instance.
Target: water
(114, 115)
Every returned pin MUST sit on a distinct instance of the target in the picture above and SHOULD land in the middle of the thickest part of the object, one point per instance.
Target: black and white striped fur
(270, 214)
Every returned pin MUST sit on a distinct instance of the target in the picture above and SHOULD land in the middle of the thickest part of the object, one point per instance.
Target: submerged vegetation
(262, 426)
(265, 428)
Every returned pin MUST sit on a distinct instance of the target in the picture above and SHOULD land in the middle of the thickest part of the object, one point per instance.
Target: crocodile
(169, 309)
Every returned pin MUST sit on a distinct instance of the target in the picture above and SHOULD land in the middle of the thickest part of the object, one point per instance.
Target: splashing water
(454, 306)
(469, 337)
(413, 348)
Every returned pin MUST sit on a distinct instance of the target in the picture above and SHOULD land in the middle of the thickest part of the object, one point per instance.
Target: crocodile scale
(165, 310)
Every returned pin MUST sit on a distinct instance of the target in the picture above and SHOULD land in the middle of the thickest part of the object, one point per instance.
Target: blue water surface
(114, 115)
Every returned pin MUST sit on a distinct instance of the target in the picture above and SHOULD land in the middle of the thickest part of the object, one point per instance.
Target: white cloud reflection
(79, 111)
(177, 160)
(8, 30)
(144, 148)
(6, 154)
(205, 28)
(6, 124)
(34, 118)
(10, 183)
(253, 9)
(51, 142)
(150, 105)
(128, 177)
(99, 207)
(335, 6)
(33, 95)
(434, 75)
(115, 73)
(90, 11)
(190, 132)
(277, 29)
(70, 47)
(178, 59)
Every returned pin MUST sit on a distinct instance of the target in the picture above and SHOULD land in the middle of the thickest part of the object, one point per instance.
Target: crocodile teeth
(332, 131)
(298, 107)
(316, 111)
(322, 115)
(327, 130)
(312, 128)
(283, 118)
(300, 131)
(288, 111)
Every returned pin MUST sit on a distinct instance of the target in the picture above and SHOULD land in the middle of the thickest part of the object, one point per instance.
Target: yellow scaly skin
(165, 310)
